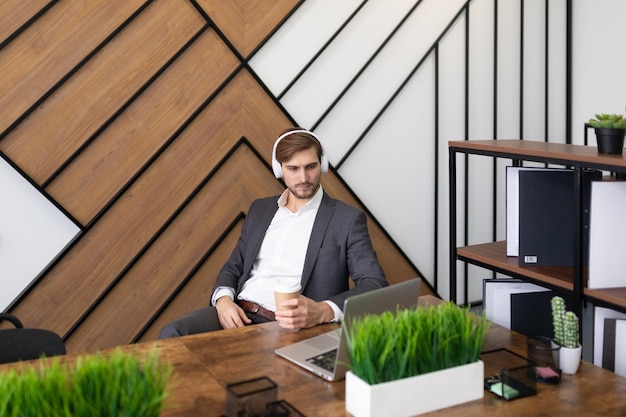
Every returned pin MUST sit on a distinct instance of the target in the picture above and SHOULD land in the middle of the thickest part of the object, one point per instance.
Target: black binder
(546, 217)
(531, 313)
(608, 348)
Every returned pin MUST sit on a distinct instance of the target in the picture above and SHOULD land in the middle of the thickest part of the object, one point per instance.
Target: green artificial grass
(412, 342)
(96, 385)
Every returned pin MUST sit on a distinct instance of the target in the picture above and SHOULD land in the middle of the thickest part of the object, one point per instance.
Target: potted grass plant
(610, 129)
(565, 324)
(414, 361)
(96, 385)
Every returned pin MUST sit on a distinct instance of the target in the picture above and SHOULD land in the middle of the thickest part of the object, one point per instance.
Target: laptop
(325, 355)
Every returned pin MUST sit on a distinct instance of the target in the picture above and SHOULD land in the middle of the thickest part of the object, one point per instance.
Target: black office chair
(25, 344)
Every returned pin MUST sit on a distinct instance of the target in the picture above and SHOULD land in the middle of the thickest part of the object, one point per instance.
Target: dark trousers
(200, 321)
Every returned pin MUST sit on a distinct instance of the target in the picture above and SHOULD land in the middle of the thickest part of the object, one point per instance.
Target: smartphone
(494, 384)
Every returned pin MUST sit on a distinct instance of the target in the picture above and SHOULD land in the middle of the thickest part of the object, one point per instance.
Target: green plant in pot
(566, 335)
(118, 384)
(610, 129)
(421, 345)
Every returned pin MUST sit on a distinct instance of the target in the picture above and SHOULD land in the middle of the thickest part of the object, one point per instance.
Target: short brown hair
(298, 141)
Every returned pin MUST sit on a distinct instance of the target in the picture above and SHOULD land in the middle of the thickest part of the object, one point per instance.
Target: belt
(254, 308)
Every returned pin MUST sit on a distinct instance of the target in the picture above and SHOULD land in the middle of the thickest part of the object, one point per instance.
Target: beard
(304, 191)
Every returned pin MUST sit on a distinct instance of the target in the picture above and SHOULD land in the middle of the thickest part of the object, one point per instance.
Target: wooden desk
(233, 356)
(205, 364)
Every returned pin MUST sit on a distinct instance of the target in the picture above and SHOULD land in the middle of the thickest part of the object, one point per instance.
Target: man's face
(302, 174)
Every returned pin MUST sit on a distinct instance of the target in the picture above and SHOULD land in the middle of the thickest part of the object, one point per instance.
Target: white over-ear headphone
(276, 166)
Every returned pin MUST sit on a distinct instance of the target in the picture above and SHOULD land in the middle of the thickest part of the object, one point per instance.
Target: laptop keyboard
(326, 360)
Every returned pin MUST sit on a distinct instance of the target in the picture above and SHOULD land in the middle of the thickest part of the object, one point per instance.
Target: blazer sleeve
(237, 268)
(346, 252)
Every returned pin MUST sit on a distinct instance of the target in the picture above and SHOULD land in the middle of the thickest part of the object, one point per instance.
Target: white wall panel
(298, 40)
(534, 69)
(32, 233)
(393, 171)
(508, 70)
(598, 62)
(557, 67)
(481, 70)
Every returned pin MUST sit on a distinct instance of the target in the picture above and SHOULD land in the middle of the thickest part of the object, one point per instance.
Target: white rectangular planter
(415, 395)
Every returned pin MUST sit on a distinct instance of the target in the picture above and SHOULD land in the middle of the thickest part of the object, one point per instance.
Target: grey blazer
(340, 247)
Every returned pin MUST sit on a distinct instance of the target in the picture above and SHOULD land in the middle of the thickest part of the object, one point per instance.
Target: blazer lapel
(262, 222)
(324, 214)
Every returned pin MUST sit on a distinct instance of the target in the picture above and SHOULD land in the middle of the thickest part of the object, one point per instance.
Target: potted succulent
(566, 336)
(610, 130)
(414, 361)
(95, 385)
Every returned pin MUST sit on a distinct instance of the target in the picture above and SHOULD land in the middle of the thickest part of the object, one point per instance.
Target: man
(302, 235)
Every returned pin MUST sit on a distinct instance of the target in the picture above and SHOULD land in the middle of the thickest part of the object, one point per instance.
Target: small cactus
(565, 324)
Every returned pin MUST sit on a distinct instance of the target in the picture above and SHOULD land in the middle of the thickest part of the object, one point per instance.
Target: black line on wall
(436, 174)
(495, 68)
(495, 120)
(521, 77)
(494, 204)
(546, 52)
(466, 137)
(568, 72)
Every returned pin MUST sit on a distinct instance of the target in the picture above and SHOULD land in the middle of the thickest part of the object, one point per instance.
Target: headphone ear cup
(324, 163)
(277, 168)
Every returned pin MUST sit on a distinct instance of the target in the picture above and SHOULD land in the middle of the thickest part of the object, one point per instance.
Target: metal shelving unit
(492, 255)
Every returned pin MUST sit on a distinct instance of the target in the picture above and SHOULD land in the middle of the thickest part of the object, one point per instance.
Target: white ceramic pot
(415, 395)
(569, 359)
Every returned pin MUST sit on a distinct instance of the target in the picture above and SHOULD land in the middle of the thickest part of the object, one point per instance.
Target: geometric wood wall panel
(141, 120)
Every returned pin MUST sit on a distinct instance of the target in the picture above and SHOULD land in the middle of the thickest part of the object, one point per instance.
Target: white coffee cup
(285, 289)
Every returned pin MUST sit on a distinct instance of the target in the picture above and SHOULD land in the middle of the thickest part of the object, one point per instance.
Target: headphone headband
(276, 166)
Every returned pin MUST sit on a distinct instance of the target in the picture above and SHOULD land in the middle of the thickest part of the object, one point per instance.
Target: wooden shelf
(528, 150)
(615, 297)
(493, 256)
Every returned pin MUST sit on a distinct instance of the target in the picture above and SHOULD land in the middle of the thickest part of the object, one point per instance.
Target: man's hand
(303, 313)
(230, 314)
